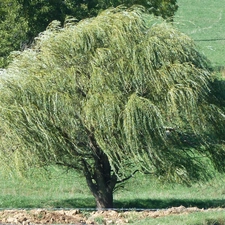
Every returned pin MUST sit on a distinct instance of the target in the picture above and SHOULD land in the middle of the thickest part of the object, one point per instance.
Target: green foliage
(115, 89)
(164, 8)
(13, 27)
(22, 20)
(40, 13)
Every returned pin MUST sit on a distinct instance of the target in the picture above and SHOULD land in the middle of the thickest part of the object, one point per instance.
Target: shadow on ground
(167, 203)
(143, 203)
(75, 203)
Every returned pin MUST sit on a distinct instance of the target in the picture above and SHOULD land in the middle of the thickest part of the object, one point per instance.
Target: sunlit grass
(54, 189)
(198, 218)
(204, 22)
(62, 189)
(151, 194)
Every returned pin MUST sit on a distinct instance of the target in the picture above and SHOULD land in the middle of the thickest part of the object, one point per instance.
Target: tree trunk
(101, 182)
(104, 200)
(100, 178)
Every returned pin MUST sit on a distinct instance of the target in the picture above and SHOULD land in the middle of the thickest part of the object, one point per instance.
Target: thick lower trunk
(100, 178)
(104, 200)
(101, 182)
(101, 188)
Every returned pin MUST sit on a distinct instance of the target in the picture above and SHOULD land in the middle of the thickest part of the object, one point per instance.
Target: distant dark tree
(163, 8)
(22, 20)
(13, 28)
(40, 13)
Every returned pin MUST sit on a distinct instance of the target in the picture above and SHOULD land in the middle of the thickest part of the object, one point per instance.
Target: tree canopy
(112, 95)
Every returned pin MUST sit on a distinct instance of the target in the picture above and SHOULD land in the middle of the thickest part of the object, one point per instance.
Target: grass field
(204, 22)
(69, 190)
(199, 218)
(62, 189)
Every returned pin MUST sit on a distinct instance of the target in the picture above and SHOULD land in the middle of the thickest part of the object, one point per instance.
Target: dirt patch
(42, 216)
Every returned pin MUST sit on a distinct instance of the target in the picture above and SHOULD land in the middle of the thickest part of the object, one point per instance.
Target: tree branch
(127, 178)
(88, 177)
(68, 165)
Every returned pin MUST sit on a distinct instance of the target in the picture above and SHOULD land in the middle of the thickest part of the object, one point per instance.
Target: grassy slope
(204, 20)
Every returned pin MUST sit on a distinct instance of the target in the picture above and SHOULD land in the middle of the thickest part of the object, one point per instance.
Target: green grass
(151, 194)
(204, 22)
(198, 218)
(69, 190)
(56, 189)
(62, 189)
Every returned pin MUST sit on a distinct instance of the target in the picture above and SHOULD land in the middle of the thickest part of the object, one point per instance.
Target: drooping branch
(68, 165)
(88, 176)
(127, 178)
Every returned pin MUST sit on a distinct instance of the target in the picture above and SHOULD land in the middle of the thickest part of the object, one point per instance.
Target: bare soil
(42, 216)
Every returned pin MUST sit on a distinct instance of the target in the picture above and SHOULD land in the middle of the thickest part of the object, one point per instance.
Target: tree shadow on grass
(142, 203)
(74, 203)
(27, 203)
(167, 203)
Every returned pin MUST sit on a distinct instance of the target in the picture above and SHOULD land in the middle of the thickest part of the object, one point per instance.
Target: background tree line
(22, 20)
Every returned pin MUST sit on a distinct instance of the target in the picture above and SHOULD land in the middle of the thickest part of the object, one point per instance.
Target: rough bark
(100, 178)
(101, 183)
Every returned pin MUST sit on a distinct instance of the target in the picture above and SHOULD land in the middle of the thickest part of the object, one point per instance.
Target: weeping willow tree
(112, 95)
